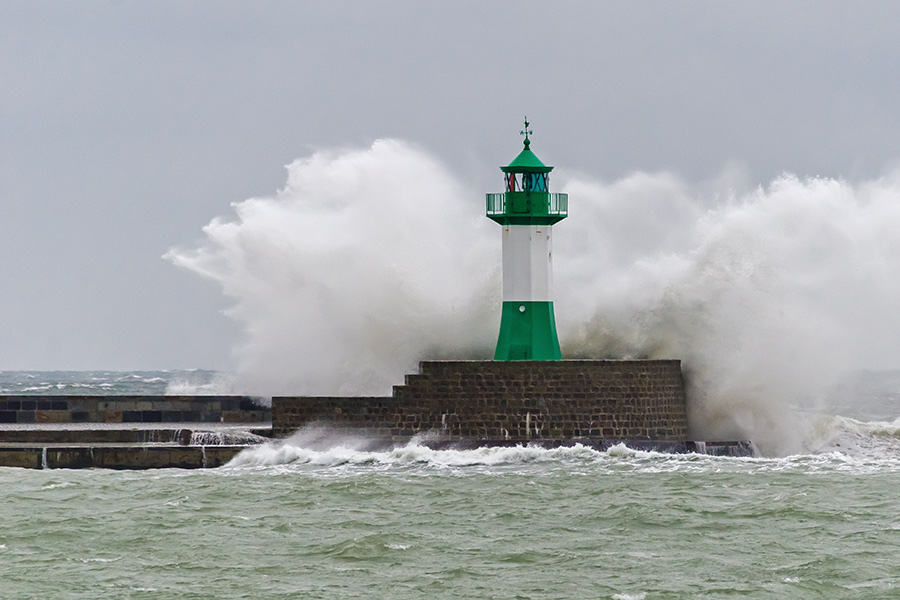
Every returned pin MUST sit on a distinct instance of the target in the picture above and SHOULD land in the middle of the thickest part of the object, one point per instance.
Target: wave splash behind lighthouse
(527, 211)
(527, 394)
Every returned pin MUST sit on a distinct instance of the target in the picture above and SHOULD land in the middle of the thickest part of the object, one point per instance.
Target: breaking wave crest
(324, 447)
(861, 439)
(843, 445)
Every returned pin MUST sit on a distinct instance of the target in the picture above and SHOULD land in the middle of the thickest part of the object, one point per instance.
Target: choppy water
(325, 518)
(99, 383)
(479, 524)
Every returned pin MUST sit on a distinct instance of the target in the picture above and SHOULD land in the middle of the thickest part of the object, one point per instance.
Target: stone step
(486, 400)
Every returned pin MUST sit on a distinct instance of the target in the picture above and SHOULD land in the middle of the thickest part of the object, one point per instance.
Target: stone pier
(128, 432)
(516, 401)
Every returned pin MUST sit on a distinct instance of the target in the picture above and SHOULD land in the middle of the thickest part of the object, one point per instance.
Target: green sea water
(321, 516)
(490, 523)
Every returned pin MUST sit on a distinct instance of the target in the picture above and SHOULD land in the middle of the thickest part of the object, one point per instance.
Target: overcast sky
(126, 126)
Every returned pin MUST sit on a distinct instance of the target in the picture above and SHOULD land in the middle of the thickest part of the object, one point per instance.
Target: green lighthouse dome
(527, 199)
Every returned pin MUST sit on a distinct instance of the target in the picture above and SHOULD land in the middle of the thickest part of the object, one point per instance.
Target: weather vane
(526, 132)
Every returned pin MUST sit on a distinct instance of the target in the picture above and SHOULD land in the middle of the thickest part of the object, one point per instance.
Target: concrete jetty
(128, 432)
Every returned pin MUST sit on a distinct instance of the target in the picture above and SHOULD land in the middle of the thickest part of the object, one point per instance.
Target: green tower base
(528, 332)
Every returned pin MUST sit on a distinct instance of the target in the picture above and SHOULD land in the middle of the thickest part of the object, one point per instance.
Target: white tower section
(527, 263)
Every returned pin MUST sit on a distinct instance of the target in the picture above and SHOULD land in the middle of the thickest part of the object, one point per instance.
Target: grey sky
(126, 126)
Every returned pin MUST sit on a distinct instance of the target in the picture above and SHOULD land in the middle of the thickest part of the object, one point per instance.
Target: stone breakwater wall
(514, 401)
(132, 409)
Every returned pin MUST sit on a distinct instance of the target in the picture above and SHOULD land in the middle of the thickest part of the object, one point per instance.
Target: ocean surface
(117, 383)
(322, 517)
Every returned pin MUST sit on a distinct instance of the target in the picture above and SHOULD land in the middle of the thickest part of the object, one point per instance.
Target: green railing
(557, 204)
(496, 204)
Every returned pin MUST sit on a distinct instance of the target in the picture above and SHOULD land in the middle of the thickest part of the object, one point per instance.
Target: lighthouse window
(535, 182)
(526, 182)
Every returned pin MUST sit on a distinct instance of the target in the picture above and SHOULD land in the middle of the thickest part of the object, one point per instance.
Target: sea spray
(366, 262)
(769, 297)
(371, 260)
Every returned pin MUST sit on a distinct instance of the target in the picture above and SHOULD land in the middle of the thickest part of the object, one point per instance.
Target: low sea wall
(132, 409)
(125, 457)
(128, 432)
(511, 401)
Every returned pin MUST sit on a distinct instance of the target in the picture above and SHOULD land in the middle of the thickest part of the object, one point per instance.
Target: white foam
(321, 450)
(855, 439)
(190, 383)
(768, 296)
(328, 448)
(100, 560)
(365, 263)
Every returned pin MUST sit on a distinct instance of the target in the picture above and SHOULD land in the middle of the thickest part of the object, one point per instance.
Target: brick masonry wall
(131, 409)
(518, 401)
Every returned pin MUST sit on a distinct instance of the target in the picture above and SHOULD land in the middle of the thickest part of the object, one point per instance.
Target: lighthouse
(527, 211)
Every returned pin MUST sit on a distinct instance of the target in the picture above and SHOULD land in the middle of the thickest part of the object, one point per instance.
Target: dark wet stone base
(519, 401)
